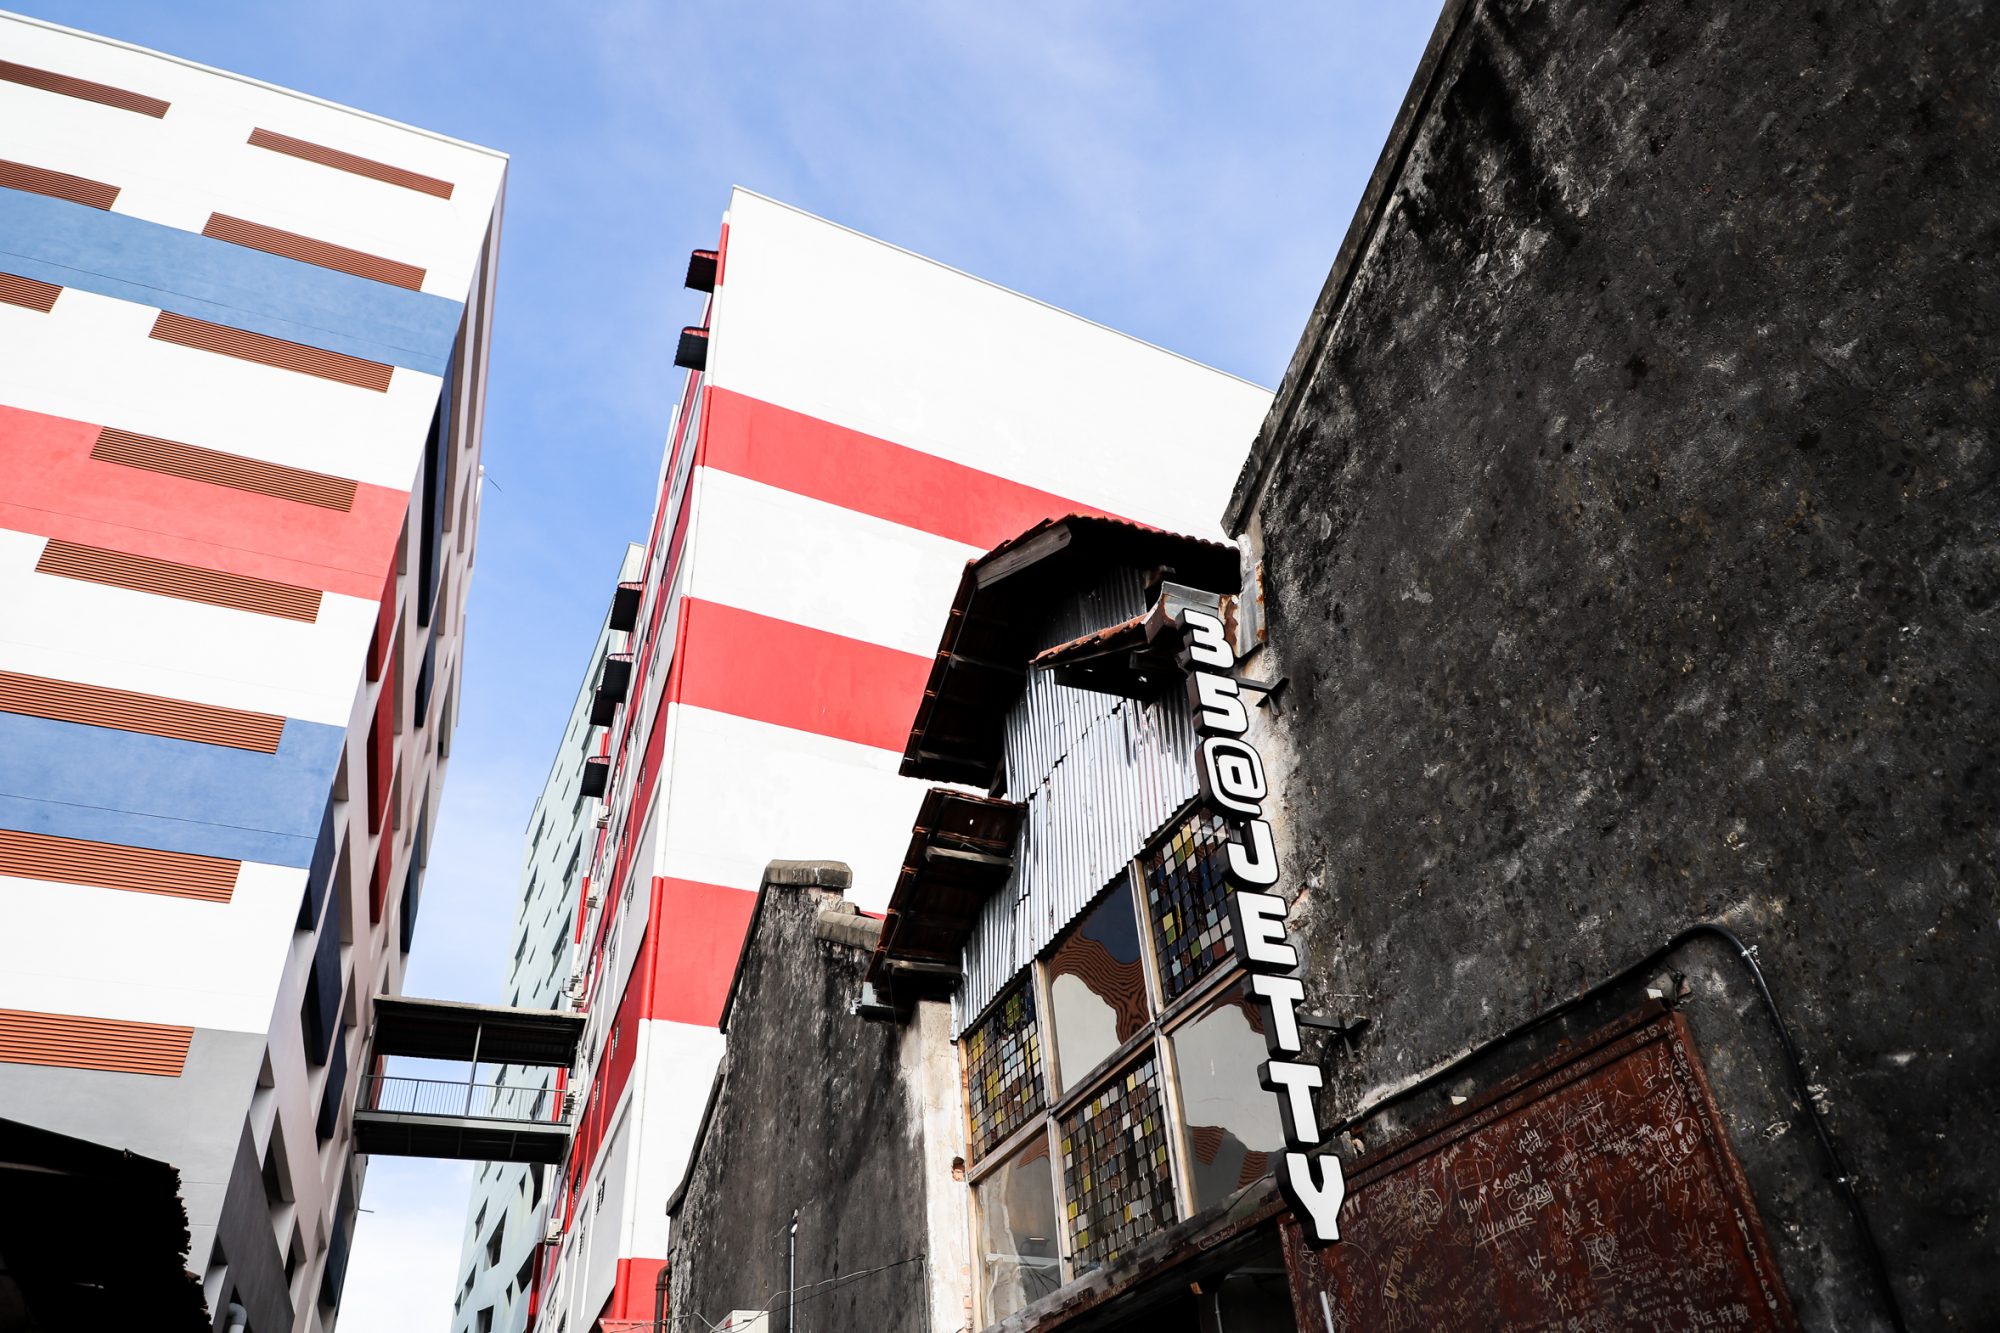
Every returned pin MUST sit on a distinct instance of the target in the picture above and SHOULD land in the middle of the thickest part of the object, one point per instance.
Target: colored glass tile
(1003, 1069)
(1115, 1171)
(1187, 896)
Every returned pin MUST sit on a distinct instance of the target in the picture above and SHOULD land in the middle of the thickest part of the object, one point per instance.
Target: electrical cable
(1843, 1180)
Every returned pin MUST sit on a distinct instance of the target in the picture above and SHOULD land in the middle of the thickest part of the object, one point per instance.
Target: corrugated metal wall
(121, 569)
(278, 353)
(71, 1041)
(1100, 776)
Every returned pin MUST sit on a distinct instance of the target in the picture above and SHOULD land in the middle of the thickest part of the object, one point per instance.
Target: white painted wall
(197, 159)
(742, 794)
(73, 629)
(811, 563)
(822, 320)
(62, 364)
(147, 957)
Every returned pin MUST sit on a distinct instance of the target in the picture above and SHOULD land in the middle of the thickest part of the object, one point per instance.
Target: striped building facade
(507, 1216)
(242, 365)
(860, 423)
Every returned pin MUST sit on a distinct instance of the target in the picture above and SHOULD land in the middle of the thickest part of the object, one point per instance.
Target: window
(1115, 1169)
(1231, 1131)
(1187, 903)
(1017, 1232)
(1112, 1089)
(1003, 1067)
(1097, 987)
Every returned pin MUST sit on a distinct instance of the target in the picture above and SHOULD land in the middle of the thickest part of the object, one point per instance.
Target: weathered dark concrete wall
(1631, 551)
(814, 1115)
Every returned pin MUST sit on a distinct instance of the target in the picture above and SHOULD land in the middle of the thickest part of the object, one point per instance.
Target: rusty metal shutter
(127, 710)
(69, 1041)
(70, 86)
(149, 452)
(140, 573)
(325, 254)
(109, 866)
(57, 184)
(268, 351)
(17, 290)
(351, 162)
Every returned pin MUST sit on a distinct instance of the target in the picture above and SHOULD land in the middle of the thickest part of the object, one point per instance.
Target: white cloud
(403, 1271)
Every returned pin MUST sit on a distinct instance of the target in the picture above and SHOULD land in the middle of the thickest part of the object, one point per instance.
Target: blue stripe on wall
(114, 254)
(79, 781)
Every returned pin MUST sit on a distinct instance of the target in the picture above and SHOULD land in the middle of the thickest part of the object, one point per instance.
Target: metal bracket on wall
(1347, 1029)
(1267, 690)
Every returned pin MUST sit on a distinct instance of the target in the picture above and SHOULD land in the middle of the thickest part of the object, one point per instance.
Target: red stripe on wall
(770, 670)
(636, 1292)
(56, 489)
(701, 929)
(818, 459)
(385, 624)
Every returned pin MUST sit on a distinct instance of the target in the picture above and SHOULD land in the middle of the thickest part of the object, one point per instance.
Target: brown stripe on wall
(268, 351)
(29, 292)
(57, 184)
(69, 1041)
(70, 86)
(125, 710)
(153, 454)
(121, 569)
(360, 166)
(257, 236)
(109, 866)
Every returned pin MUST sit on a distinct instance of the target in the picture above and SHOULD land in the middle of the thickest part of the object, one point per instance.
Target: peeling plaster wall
(1630, 546)
(822, 1112)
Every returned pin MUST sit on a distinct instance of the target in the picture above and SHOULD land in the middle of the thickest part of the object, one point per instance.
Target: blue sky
(1181, 171)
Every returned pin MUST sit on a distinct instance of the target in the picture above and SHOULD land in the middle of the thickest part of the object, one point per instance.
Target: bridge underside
(462, 1138)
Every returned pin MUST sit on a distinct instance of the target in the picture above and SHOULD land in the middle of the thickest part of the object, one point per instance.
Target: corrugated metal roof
(988, 637)
(961, 851)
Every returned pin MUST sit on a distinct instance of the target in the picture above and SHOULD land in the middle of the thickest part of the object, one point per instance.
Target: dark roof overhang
(983, 657)
(491, 1033)
(961, 852)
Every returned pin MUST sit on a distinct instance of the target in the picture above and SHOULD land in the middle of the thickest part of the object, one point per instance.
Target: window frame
(1156, 1036)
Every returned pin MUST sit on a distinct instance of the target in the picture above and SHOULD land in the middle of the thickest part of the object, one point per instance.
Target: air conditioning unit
(592, 900)
(569, 1102)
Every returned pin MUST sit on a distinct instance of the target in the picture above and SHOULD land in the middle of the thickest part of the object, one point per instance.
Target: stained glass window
(1232, 1132)
(1116, 1175)
(1003, 1069)
(1187, 902)
(1097, 986)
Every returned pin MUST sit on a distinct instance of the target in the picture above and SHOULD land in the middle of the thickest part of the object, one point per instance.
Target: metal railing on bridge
(481, 1101)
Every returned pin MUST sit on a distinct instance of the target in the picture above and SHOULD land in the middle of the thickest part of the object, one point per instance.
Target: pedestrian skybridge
(490, 1118)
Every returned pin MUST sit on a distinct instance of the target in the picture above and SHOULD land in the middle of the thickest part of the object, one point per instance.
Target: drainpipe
(236, 1319)
(660, 1302)
(792, 1275)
